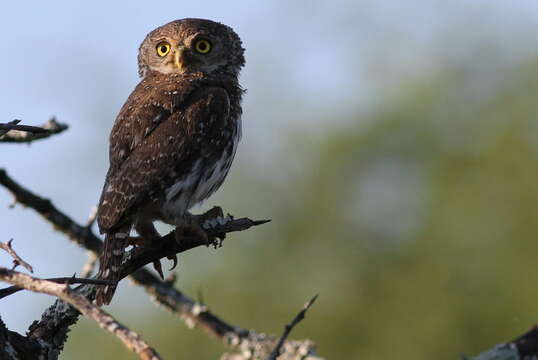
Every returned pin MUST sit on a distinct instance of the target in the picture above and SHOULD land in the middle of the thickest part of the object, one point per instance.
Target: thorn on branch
(16, 258)
(289, 327)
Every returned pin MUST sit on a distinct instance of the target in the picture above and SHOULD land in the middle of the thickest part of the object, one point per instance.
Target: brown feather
(175, 137)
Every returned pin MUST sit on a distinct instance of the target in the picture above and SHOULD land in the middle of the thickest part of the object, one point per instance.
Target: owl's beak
(179, 58)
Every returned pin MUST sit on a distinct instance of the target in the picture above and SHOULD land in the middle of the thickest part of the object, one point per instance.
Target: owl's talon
(159, 268)
(174, 259)
(192, 227)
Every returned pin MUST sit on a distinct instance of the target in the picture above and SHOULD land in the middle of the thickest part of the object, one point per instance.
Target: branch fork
(46, 337)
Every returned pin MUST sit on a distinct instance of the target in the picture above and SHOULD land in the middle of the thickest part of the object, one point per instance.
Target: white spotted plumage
(174, 139)
(193, 189)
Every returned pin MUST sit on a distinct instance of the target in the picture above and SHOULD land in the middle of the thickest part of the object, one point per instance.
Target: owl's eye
(202, 46)
(163, 48)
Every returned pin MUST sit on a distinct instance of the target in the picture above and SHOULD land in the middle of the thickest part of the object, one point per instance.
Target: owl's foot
(189, 229)
(158, 266)
(196, 225)
(208, 220)
(149, 237)
(140, 241)
(174, 259)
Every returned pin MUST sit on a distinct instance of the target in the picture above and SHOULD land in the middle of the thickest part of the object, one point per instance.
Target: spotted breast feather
(180, 162)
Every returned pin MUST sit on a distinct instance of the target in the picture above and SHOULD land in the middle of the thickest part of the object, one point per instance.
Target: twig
(3, 131)
(60, 280)
(250, 344)
(130, 339)
(16, 258)
(289, 327)
(13, 133)
(12, 125)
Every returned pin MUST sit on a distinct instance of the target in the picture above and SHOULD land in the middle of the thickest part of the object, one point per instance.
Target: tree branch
(524, 347)
(252, 345)
(81, 235)
(12, 125)
(289, 327)
(4, 128)
(13, 133)
(62, 291)
(168, 246)
(60, 280)
(248, 344)
(16, 258)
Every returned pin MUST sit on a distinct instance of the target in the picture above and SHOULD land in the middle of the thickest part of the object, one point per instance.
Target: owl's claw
(192, 228)
(158, 267)
(174, 259)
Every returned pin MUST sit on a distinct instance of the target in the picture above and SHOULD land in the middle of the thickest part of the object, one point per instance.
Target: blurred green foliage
(416, 224)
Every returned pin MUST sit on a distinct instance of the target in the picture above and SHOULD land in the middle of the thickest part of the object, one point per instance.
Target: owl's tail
(110, 265)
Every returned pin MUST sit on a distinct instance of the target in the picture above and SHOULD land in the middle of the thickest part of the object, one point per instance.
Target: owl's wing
(149, 155)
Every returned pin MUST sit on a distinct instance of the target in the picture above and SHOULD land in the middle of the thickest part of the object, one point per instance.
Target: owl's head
(191, 45)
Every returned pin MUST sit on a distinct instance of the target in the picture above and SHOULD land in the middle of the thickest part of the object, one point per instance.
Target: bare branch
(524, 347)
(12, 125)
(250, 344)
(14, 346)
(16, 258)
(130, 339)
(289, 327)
(168, 246)
(83, 236)
(60, 280)
(78, 234)
(5, 127)
(163, 292)
(13, 133)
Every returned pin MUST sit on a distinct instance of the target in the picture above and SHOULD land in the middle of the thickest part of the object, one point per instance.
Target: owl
(175, 137)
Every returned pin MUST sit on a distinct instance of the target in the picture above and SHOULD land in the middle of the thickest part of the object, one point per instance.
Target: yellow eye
(202, 46)
(163, 48)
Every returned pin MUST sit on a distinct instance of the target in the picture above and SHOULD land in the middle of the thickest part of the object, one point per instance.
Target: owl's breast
(204, 177)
